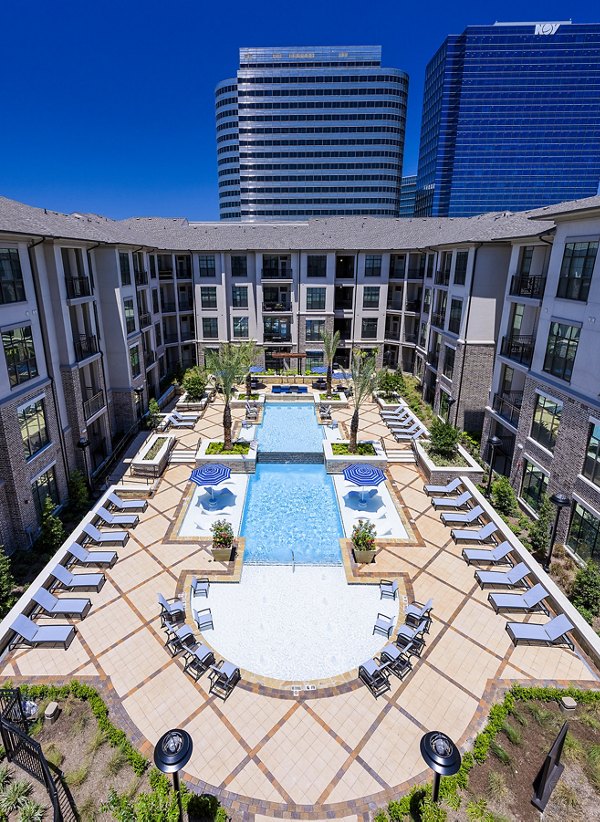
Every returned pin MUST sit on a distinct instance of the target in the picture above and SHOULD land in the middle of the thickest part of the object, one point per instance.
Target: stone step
(182, 457)
(401, 456)
(274, 457)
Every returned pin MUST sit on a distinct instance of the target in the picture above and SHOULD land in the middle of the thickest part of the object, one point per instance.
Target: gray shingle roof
(567, 208)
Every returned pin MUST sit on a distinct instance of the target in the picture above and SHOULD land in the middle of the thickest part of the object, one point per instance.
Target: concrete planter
(242, 403)
(336, 464)
(341, 403)
(221, 554)
(238, 463)
(196, 406)
(387, 406)
(442, 474)
(143, 467)
(364, 556)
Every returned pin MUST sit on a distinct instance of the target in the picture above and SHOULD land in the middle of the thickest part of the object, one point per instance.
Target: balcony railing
(78, 287)
(525, 286)
(269, 273)
(416, 273)
(437, 318)
(508, 406)
(342, 305)
(168, 306)
(433, 360)
(186, 305)
(149, 358)
(271, 336)
(85, 346)
(188, 334)
(171, 338)
(93, 404)
(413, 305)
(165, 273)
(442, 277)
(141, 277)
(410, 338)
(394, 305)
(518, 348)
(282, 305)
(145, 320)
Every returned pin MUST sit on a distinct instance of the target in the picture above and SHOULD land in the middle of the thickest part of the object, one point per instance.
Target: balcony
(508, 406)
(93, 404)
(149, 358)
(188, 334)
(437, 318)
(442, 278)
(433, 360)
(168, 307)
(78, 287)
(414, 306)
(416, 273)
(272, 336)
(524, 286)
(282, 305)
(270, 273)
(85, 346)
(165, 273)
(518, 348)
(171, 338)
(394, 305)
(185, 304)
(410, 338)
(342, 305)
(145, 320)
(141, 277)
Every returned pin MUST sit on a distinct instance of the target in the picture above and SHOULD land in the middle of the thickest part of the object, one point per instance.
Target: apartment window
(34, 431)
(134, 359)
(316, 265)
(576, 270)
(525, 260)
(444, 406)
(315, 299)
(239, 266)
(455, 316)
(210, 329)
(373, 265)
(206, 265)
(591, 463)
(183, 266)
(371, 296)
(369, 329)
(426, 300)
(129, 316)
(42, 487)
(561, 350)
(397, 266)
(422, 334)
(240, 327)
(314, 329)
(12, 289)
(152, 259)
(314, 359)
(584, 533)
(534, 485)
(157, 334)
(430, 265)
(155, 308)
(460, 267)
(546, 419)
(125, 268)
(449, 357)
(20, 355)
(239, 296)
(208, 296)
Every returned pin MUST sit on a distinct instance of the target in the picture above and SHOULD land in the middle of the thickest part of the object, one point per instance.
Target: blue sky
(109, 106)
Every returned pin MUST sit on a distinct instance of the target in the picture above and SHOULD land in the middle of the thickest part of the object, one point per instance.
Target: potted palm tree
(363, 541)
(222, 546)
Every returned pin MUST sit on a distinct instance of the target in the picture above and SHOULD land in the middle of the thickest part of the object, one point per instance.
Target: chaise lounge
(453, 486)
(496, 556)
(99, 537)
(452, 502)
(552, 633)
(127, 504)
(483, 535)
(53, 606)
(531, 600)
(30, 634)
(83, 557)
(503, 579)
(81, 582)
(464, 518)
(118, 520)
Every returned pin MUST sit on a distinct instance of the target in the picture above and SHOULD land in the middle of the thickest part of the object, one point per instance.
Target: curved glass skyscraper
(310, 132)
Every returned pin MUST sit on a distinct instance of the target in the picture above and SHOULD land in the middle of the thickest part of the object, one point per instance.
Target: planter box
(242, 403)
(223, 554)
(196, 406)
(238, 463)
(153, 468)
(387, 406)
(442, 474)
(336, 464)
(364, 556)
(341, 403)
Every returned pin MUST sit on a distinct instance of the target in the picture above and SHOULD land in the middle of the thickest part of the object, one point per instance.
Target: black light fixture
(442, 756)
(560, 501)
(172, 753)
(451, 401)
(84, 444)
(494, 443)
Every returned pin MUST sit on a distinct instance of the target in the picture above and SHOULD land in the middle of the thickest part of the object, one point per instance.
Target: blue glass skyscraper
(511, 119)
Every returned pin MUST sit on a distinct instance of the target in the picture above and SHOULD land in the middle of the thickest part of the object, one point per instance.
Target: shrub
(222, 533)
(32, 812)
(444, 439)
(153, 414)
(539, 531)
(390, 383)
(194, 383)
(79, 493)
(161, 804)
(586, 589)
(15, 796)
(7, 585)
(504, 497)
(52, 534)
(363, 535)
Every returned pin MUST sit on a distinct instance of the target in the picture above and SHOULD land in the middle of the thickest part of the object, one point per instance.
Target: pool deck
(268, 752)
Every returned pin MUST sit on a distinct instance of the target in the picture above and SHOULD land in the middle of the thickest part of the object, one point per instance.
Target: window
(240, 327)
(158, 334)
(460, 267)
(426, 300)
(576, 270)
(125, 268)
(12, 289)
(134, 359)
(152, 259)
(584, 533)
(546, 419)
(20, 355)
(449, 357)
(525, 259)
(239, 266)
(444, 406)
(183, 266)
(371, 296)
(44, 486)
(314, 359)
(239, 296)
(314, 329)
(316, 265)
(206, 265)
(397, 266)
(534, 485)
(455, 316)
(591, 463)
(208, 296)
(561, 350)
(430, 265)
(34, 431)
(210, 329)
(373, 265)
(315, 299)
(129, 316)
(369, 329)
(155, 308)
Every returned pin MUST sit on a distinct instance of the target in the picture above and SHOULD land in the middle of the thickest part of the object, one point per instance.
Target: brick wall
(471, 382)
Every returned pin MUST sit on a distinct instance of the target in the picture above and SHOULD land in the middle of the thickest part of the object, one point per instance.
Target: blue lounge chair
(552, 633)
(53, 606)
(504, 579)
(29, 633)
(83, 582)
(531, 600)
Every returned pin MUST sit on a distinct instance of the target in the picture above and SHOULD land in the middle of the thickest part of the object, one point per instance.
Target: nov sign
(546, 28)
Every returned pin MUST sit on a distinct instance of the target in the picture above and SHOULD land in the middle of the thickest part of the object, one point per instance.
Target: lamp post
(560, 501)
(442, 756)
(139, 393)
(451, 401)
(494, 443)
(172, 753)
(84, 444)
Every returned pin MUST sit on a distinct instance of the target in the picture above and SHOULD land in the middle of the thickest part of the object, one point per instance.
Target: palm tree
(330, 347)
(363, 373)
(228, 364)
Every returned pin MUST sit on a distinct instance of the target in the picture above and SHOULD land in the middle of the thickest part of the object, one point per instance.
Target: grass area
(442, 462)
(237, 448)
(244, 397)
(156, 446)
(363, 449)
(335, 397)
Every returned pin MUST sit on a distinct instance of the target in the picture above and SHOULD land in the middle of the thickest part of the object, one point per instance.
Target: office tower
(511, 117)
(310, 132)
(407, 196)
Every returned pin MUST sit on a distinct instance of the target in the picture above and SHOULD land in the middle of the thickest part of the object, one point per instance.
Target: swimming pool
(290, 427)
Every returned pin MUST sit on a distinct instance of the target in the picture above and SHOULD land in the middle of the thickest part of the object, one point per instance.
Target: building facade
(511, 116)
(408, 195)
(310, 132)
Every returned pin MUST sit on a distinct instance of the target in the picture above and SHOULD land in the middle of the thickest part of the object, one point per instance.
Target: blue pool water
(291, 508)
(291, 427)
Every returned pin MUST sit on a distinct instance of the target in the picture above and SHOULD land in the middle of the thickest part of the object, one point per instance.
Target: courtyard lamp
(560, 501)
(494, 443)
(451, 401)
(172, 753)
(442, 756)
(84, 444)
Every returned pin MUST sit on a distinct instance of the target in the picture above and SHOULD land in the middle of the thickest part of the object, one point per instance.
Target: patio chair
(203, 619)
(375, 676)
(180, 639)
(452, 502)
(174, 422)
(416, 612)
(483, 535)
(127, 504)
(531, 600)
(402, 424)
(496, 556)
(276, 389)
(384, 625)
(53, 606)
(120, 520)
(302, 389)
(466, 518)
(185, 416)
(552, 633)
(82, 582)
(412, 433)
(30, 634)
(399, 664)
(388, 589)
(198, 661)
(223, 676)
(99, 537)
(170, 610)
(453, 486)
(504, 579)
(251, 412)
(410, 639)
(395, 412)
(97, 558)
(200, 587)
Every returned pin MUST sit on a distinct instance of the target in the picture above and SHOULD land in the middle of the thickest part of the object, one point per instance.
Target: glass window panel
(20, 355)
(546, 419)
(34, 431)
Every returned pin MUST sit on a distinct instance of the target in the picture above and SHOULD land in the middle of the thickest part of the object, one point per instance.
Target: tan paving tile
(436, 703)
(350, 715)
(145, 596)
(253, 717)
(550, 663)
(251, 781)
(464, 662)
(52, 662)
(135, 570)
(217, 752)
(445, 598)
(355, 783)
(103, 628)
(480, 622)
(393, 749)
(134, 659)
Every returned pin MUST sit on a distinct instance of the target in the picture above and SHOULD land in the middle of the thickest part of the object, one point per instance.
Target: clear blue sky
(108, 106)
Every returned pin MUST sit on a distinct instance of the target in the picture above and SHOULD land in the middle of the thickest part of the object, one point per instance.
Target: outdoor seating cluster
(403, 424)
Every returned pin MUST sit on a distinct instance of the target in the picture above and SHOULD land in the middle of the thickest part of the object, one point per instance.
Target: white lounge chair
(185, 416)
(29, 633)
(98, 537)
(81, 582)
(453, 486)
(403, 424)
(120, 520)
(411, 434)
(452, 502)
(468, 535)
(174, 422)
(552, 633)
(97, 558)
(531, 600)
(462, 518)
(53, 606)
(496, 556)
(127, 504)
(504, 579)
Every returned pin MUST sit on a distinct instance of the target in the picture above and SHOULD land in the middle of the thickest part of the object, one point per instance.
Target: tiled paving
(334, 752)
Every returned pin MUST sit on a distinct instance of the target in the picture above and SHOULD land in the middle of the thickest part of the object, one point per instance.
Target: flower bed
(441, 474)
(241, 459)
(151, 460)
(237, 448)
(363, 449)
(336, 462)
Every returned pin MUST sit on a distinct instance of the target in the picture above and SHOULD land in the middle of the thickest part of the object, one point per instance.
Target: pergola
(291, 355)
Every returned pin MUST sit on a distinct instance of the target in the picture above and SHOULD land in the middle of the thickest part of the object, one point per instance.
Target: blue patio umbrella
(210, 475)
(365, 476)
(339, 375)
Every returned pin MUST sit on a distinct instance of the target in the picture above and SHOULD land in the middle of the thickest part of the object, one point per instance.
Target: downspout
(462, 370)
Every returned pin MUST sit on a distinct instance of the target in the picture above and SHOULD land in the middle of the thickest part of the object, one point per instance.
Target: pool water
(290, 427)
(291, 508)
